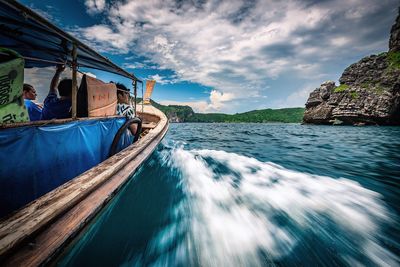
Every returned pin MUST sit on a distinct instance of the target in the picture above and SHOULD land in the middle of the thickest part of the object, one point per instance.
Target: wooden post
(135, 93)
(142, 99)
(74, 82)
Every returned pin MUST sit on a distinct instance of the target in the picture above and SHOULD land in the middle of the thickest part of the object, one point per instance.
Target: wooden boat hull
(37, 232)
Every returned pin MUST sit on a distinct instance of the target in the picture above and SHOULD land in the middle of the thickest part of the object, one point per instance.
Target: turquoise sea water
(255, 195)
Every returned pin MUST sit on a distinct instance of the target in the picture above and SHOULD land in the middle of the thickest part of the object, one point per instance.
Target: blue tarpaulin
(36, 159)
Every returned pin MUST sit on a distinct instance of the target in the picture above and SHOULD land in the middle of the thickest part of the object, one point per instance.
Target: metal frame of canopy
(59, 46)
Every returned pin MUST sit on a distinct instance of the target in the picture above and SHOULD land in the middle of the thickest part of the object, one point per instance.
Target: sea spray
(243, 212)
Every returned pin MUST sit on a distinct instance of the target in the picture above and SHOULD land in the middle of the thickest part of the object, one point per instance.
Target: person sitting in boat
(58, 107)
(34, 110)
(124, 108)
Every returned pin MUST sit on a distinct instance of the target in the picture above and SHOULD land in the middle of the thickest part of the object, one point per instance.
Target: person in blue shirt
(29, 94)
(55, 107)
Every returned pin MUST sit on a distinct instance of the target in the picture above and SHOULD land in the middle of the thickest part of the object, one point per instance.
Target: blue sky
(228, 56)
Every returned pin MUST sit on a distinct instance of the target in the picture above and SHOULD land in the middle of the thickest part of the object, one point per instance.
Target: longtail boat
(56, 175)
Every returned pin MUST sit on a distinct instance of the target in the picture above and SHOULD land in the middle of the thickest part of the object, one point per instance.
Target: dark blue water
(255, 195)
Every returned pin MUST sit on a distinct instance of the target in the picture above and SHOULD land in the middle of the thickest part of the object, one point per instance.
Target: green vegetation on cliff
(264, 115)
(394, 59)
(175, 111)
(341, 88)
(186, 114)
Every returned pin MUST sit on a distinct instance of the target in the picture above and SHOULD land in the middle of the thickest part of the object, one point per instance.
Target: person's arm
(54, 81)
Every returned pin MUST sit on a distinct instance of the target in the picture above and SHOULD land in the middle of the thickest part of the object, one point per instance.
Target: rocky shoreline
(369, 91)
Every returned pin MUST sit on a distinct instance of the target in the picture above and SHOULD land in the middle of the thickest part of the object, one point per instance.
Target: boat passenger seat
(96, 98)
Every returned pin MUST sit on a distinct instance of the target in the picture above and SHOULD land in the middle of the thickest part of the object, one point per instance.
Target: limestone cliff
(369, 91)
(394, 42)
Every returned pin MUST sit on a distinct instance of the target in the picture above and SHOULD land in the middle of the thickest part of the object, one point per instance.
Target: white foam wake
(238, 206)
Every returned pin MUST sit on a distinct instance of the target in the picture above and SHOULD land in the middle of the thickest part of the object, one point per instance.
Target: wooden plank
(50, 122)
(39, 213)
(149, 125)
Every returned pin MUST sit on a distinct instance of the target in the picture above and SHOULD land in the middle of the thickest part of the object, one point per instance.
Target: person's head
(65, 88)
(29, 92)
(122, 93)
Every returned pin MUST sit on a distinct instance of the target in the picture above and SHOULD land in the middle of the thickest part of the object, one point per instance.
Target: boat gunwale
(53, 121)
(33, 218)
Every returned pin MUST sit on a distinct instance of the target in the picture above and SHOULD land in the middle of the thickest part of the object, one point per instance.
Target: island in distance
(368, 94)
(178, 113)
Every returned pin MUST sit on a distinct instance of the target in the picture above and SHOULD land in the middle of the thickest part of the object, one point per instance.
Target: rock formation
(394, 42)
(369, 91)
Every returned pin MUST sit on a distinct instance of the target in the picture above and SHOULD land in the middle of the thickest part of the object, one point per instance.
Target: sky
(228, 56)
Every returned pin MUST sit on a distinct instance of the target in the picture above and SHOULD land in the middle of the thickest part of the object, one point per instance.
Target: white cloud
(235, 45)
(139, 65)
(219, 99)
(95, 6)
(340, 41)
(216, 102)
(298, 98)
(105, 39)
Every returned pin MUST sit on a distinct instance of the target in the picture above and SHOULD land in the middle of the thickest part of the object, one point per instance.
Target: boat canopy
(43, 44)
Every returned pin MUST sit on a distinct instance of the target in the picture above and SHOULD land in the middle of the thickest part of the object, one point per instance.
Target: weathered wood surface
(149, 125)
(57, 216)
(50, 122)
